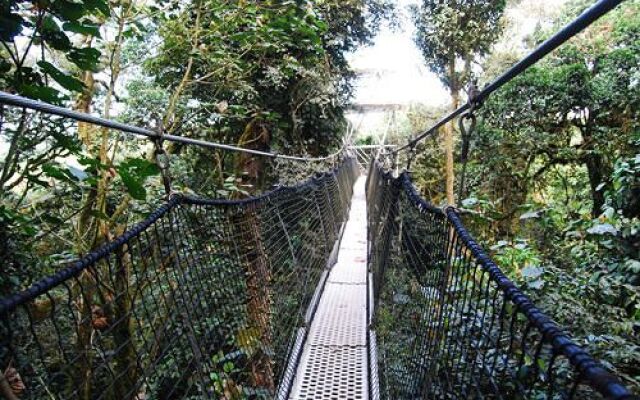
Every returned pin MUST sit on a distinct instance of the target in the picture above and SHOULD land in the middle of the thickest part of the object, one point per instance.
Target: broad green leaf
(36, 179)
(53, 36)
(10, 26)
(531, 272)
(68, 10)
(92, 163)
(66, 81)
(37, 92)
(632, 266)
(54, 171)
(86, 59)
(134, 172)
(140, 167)
(85, 28)
(602, 229)
(134, 186)
(98, 5)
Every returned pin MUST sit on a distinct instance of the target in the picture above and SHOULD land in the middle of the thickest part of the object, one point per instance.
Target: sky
(392, 70)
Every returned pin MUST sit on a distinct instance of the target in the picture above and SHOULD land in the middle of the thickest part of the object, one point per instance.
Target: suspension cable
(589, 16)
(19, 101)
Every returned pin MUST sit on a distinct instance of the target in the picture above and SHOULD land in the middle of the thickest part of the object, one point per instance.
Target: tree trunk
(248, 167)
(123, 331)
(87, 236)
(597, 169)
(257, 274)
(449, 132)
(83, 104)
(92, 231)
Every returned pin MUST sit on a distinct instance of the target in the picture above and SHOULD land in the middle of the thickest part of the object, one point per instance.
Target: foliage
(447, 31)
(452, 36)
(552, 182)
(50, 27)
(264, 75)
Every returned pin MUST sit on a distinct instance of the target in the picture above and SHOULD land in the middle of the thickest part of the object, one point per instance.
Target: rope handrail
(606, 383)
(19, 101)
(9, 304)
(589, 16)
(449, 323)
(202, 299)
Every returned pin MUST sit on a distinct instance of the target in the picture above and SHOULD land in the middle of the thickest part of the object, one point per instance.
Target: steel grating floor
(334, 360)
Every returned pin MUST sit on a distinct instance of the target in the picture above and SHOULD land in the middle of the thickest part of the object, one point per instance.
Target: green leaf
(5, 66)
(43, 93)
(66, 81)
(632, 266)
(228, 367)
(134, 172)
(141, 167)
(53, 36)
(66, 141)
(10, 26)
(54, 171)
(98, 5)
(133, 185)
(92, 163)
(35, 179)
(86, 59)
(86, 28)
(67, 10)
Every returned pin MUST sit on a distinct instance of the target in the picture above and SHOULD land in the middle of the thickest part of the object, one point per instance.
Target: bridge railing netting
(203, 299)
(449, 324)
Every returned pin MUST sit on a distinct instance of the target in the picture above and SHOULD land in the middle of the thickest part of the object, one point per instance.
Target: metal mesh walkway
(334, 359)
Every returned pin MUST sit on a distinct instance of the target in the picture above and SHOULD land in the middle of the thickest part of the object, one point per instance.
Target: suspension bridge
(348, 285)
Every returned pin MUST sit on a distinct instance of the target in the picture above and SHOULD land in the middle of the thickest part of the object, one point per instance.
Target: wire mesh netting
(203, 299)
(449, 323)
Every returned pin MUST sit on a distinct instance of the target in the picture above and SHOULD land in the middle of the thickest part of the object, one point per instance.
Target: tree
(263, 75)
(577, 108)
(452, 35)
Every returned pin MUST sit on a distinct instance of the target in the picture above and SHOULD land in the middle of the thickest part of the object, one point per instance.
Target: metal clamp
(466, 132)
